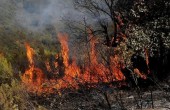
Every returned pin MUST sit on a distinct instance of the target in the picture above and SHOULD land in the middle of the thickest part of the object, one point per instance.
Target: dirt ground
(153, 98)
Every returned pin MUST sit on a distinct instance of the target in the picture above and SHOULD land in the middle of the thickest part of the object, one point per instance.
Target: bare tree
(107, 19)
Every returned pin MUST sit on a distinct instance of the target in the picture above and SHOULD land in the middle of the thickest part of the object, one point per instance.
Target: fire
(116, 66)
(68, 74)
(93, 73)
(147, 59)
(30, 53)
(64, 48)
(73, 75)
(32, 76)
(136, 71)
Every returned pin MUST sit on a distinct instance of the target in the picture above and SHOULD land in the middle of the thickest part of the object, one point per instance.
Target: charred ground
(116, 56)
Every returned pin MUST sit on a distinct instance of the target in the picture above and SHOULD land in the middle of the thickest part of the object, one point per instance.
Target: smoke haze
(35, 15)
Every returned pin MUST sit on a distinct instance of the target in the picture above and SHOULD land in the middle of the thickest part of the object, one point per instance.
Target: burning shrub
(12, 93)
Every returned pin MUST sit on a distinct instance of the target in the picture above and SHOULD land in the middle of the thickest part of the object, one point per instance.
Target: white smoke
(35, 15)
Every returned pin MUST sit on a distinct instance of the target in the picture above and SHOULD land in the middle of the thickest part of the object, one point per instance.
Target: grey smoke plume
(35, 15)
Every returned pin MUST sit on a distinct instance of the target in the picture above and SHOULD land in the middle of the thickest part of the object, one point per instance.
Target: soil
(152, 98)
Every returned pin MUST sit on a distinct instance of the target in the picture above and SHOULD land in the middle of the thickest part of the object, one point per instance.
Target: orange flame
(116, 66)
(33, 77)
(147, 59)
(63, 38)
(94, 73)
(136, 71)
(73, 76)
(30, 53)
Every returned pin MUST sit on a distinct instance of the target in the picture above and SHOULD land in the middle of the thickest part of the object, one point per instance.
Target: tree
(145, 23)
(148, 30)
(106, 18)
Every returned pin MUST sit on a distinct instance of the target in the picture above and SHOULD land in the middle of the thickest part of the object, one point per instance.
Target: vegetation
(140, 30)
(135, 30)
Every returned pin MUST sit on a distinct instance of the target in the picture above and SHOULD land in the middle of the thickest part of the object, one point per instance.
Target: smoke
(36, 15)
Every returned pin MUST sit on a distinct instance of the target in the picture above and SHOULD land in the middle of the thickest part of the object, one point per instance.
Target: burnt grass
(104, 97)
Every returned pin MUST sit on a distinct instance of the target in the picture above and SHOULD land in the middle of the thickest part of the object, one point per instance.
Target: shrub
(5, 70)
(13, 96)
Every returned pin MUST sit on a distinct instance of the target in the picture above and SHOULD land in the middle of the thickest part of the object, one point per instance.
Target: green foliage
(149, 27)
(12, 92)
(5, 68)
(13, 96)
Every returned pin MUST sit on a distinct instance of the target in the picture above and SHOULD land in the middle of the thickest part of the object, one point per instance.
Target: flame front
(30, 53)
(73, 76)
(33, 77)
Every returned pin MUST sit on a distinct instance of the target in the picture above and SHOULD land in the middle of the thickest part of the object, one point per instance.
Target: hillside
(84, 54)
